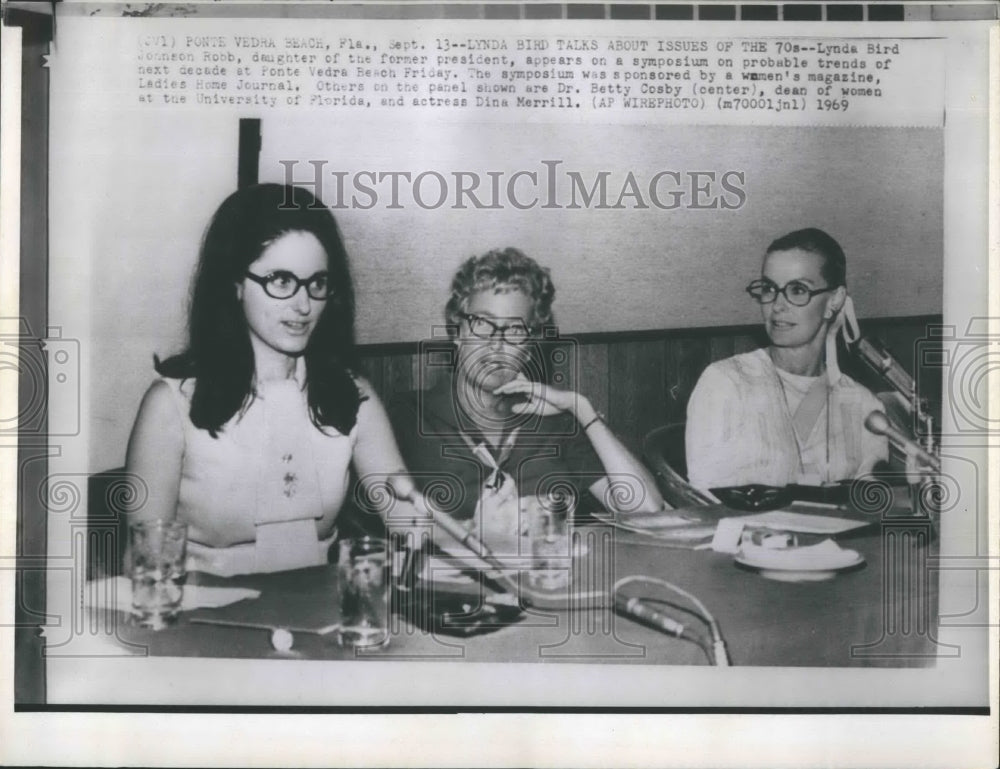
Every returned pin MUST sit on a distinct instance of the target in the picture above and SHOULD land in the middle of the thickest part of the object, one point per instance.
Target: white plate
(770, 569)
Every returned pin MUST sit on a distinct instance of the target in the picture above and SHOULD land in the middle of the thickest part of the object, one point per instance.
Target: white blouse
(740, 431)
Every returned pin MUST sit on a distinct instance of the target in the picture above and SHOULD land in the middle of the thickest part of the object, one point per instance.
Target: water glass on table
(158, 552)
(362, 577)
(550, 545)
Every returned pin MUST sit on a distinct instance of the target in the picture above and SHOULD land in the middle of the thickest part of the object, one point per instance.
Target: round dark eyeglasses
(514, 333)
(282, 284)
(796, 292)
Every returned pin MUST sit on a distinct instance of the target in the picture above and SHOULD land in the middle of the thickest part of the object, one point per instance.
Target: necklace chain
(795, 435)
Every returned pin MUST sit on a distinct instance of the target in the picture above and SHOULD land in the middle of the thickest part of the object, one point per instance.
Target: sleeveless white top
(264, 494)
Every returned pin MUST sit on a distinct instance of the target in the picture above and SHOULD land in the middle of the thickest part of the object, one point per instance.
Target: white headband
(845, 322)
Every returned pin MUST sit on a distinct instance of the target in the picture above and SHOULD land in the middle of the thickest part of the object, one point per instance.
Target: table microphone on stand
(476, 546)
(633, 607)
(888, 367)
(564, 597)
(882, 362)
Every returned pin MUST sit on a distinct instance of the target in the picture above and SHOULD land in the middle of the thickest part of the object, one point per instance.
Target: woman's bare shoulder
(160, 404)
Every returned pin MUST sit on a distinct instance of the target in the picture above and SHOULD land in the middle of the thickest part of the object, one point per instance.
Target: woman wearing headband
(785, 413)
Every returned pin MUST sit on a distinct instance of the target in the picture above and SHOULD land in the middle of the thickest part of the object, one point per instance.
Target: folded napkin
(825, 556)
(786, 520)
(117, 592)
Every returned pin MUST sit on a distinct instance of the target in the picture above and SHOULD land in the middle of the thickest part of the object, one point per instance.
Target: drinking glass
(550, 546)
(362, 571)
(158, 572)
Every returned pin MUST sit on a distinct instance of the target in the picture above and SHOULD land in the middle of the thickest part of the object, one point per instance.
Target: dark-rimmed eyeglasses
(513, 333)
(796, 292)
(282, 284)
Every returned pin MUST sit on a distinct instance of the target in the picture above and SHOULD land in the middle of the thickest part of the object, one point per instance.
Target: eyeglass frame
(783, 291)
(264, 280)
(502, 330)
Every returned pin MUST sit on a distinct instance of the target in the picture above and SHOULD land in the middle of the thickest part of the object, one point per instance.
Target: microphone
(878, 423)
(888, 367)
(474, 545)
(634, 607)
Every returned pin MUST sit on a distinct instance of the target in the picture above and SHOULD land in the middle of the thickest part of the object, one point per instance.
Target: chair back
(667, 444)
(108, 493)
(663, 452)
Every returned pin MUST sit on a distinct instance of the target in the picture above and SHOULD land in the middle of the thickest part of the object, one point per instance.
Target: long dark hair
(219, 354)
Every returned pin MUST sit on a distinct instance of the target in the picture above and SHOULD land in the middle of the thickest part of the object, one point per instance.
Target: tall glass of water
(550, 545)
(362, 571)
(158, 571)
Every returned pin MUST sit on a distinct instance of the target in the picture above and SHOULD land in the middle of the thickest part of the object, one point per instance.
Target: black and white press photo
(422, 358)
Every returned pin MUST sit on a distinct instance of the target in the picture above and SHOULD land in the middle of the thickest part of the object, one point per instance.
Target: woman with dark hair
(495, 429)
(249, 433)
(785, 413)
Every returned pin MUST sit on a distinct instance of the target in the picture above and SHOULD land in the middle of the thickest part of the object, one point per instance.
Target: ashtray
(754, 497)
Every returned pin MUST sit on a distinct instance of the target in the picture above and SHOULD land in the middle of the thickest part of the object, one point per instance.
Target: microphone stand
(879, 359)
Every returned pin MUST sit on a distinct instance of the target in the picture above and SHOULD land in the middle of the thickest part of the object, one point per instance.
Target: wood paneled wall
(643, 380)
